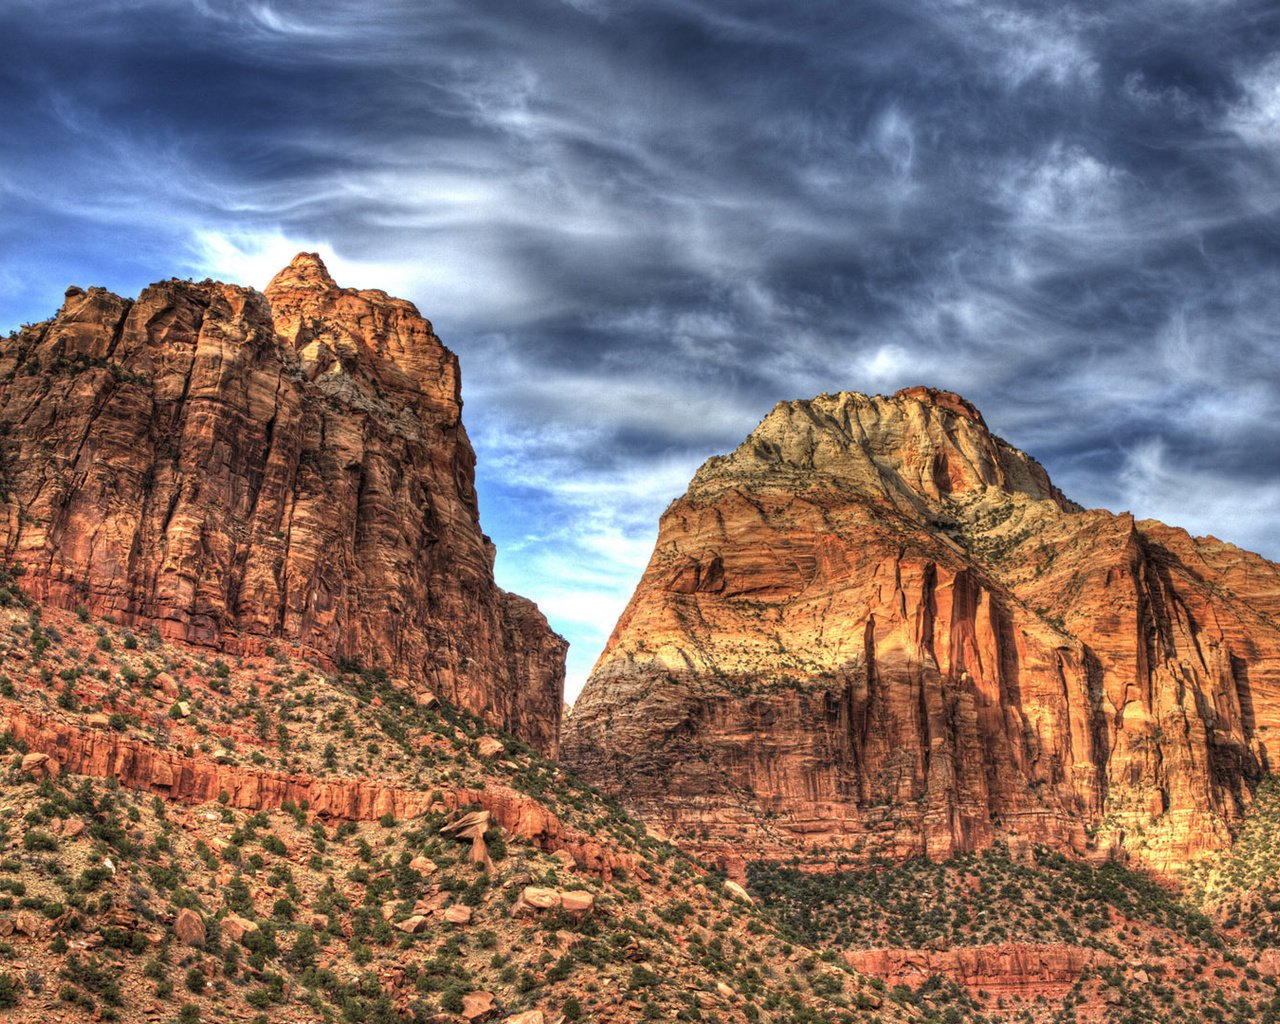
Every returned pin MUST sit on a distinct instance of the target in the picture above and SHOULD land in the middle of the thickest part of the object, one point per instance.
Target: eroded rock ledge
(100, 753)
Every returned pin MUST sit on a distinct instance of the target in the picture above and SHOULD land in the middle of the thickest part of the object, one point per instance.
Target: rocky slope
(875, 628)
(231, 467)
(198, 838)
(1043, 937)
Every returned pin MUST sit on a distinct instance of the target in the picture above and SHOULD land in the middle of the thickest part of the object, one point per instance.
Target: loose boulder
(479, 1006)
(733, 890)
(534, 900)
(577, 902)
(236, 927)
(39, 765)
(189, 927)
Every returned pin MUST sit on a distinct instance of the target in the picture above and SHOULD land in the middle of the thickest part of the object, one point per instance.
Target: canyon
(876, 630)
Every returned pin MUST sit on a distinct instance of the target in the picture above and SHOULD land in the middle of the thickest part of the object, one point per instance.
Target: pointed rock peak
(306, 270)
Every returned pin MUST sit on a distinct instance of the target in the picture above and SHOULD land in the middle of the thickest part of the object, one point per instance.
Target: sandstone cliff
(877, 628)
(233, 467)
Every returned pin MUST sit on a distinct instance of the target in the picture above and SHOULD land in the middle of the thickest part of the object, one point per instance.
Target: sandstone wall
(877, 629)
(233, 467)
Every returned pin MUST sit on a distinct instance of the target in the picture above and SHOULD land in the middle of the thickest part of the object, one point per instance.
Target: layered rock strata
(233, 467)
(56, 747)
(1018, 969)
(876, 629)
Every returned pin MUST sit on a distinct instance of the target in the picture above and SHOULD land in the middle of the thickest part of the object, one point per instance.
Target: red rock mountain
(233, 467)
(878, 629)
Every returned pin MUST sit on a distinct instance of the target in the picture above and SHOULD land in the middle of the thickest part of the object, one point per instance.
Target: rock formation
(233, 468)
(878, 629)
(59, 747)
(1018, 969)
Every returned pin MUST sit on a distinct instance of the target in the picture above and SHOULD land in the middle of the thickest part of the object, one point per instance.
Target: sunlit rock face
(877, 629)
(235, 467)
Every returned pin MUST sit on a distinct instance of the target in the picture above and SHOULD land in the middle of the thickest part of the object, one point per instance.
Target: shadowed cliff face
(233, 467)
(876, 628)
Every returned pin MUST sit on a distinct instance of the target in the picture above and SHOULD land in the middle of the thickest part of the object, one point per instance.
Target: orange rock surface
(877, 628)
(63, 747)
(233, 467)
(1014, 968)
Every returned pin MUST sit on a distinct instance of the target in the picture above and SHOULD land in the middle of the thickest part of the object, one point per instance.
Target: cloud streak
(642, 222)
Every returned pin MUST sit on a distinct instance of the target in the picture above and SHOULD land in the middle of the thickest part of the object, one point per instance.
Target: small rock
(458, 914)
(423, 865)
(31, 924)
(166, 684)
(489, 746)
(479, 1006)
(735, 891)
(565, 859)
(567, 940)
(39, 765)
(577, 902)
(236, 927)
(528, 1017)
(98, 721)
(428, 905)
(413, 925)
(533, 900)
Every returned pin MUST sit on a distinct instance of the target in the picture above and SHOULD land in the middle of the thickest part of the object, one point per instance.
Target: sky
(642, 224)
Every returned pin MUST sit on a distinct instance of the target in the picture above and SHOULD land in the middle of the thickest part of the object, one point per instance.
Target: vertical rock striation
(877, 629)
(233, 467)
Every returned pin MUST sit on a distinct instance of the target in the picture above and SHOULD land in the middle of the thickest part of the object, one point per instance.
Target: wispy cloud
(642, 222)
(1255, 116)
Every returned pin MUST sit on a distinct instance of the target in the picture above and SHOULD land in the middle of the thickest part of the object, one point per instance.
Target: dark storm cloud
(641, 224)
